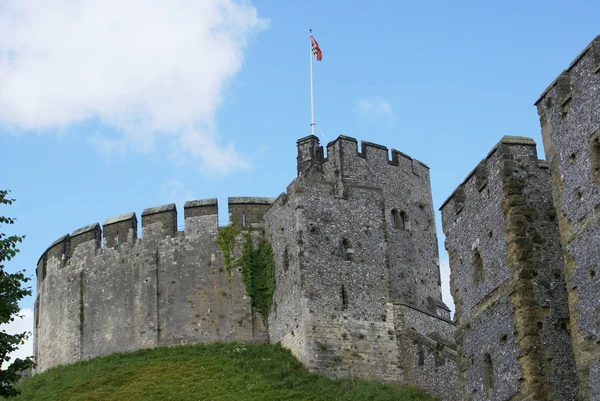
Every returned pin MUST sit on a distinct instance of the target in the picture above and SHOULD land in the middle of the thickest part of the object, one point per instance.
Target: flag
(315, 48)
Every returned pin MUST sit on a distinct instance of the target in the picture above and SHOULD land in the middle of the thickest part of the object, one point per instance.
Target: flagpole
(312, 100)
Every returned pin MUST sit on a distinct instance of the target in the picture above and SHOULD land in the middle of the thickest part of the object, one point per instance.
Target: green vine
(226, 241)
(258, 267)
(258, 273)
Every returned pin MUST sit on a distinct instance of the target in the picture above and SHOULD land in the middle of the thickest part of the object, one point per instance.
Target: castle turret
(356, 265)
(310, 155)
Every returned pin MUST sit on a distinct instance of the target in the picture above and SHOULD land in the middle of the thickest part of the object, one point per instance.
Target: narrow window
(345, 249)
(488, 373)
(459, 199)
(480, 176)
(403, 220)
(344, 298)
(117, 238)
(286, 260)
(244, 220)
(98, 238)
(477, 267)
(595, 158)
(421, 357)
(37, 313)
(394, 218)
(67, 249)
(44, 267)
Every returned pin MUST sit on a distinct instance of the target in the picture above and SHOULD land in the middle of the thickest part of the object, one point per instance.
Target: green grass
(219, 372)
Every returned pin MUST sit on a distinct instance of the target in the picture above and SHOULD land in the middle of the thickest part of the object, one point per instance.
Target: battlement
(311, 155)
(202, 207)
(201, 218)
(116, 230)
(478, 177)
(562, 83)
(245, 212)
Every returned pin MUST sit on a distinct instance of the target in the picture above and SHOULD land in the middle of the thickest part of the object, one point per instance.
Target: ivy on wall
(258, 273)
(226, 241)
(258, 267)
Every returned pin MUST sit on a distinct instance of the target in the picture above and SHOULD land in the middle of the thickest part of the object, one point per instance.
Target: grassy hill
(217, 372)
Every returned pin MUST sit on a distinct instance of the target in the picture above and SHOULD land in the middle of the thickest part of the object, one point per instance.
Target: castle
(349, 278)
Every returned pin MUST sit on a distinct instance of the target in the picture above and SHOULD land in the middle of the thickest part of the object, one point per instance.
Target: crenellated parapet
(160, 220)
(344, 152)
(120, 230)
(103, 289)
(157, 223)
(497, 165)
(245, 212)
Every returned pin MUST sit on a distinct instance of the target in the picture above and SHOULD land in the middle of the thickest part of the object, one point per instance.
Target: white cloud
(154, 70)
(375, 105)
(445, 278)
(20, 325)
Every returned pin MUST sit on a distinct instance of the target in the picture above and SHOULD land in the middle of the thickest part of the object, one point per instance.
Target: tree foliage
(12, 290)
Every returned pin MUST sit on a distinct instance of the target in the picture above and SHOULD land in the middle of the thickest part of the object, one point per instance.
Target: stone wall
(428, 353)
(570, 119)
(506, 279)
(357, 271)
(361, 242)
(165, 288)
(357, 275)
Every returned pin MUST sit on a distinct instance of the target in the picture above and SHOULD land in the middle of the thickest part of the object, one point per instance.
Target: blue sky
(108, 107)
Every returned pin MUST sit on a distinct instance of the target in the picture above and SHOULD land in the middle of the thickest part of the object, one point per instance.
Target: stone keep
(569, 113)
(99, 295)
(507, 280)
(357, 273)
(356, 266)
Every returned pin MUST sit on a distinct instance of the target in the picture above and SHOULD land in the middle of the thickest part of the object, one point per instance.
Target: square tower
(507, 281)
(570, 118)
(357, 271)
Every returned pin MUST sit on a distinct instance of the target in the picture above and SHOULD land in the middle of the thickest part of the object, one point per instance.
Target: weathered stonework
(569, 113)
(507, 281)
(357, 282)
(356, 270)
(167, 287)
(358, 285)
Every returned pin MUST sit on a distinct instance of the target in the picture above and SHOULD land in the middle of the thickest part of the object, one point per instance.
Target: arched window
(403, 220)
(477, 267)
(488, 373)
(345, 250)
(395, 218)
